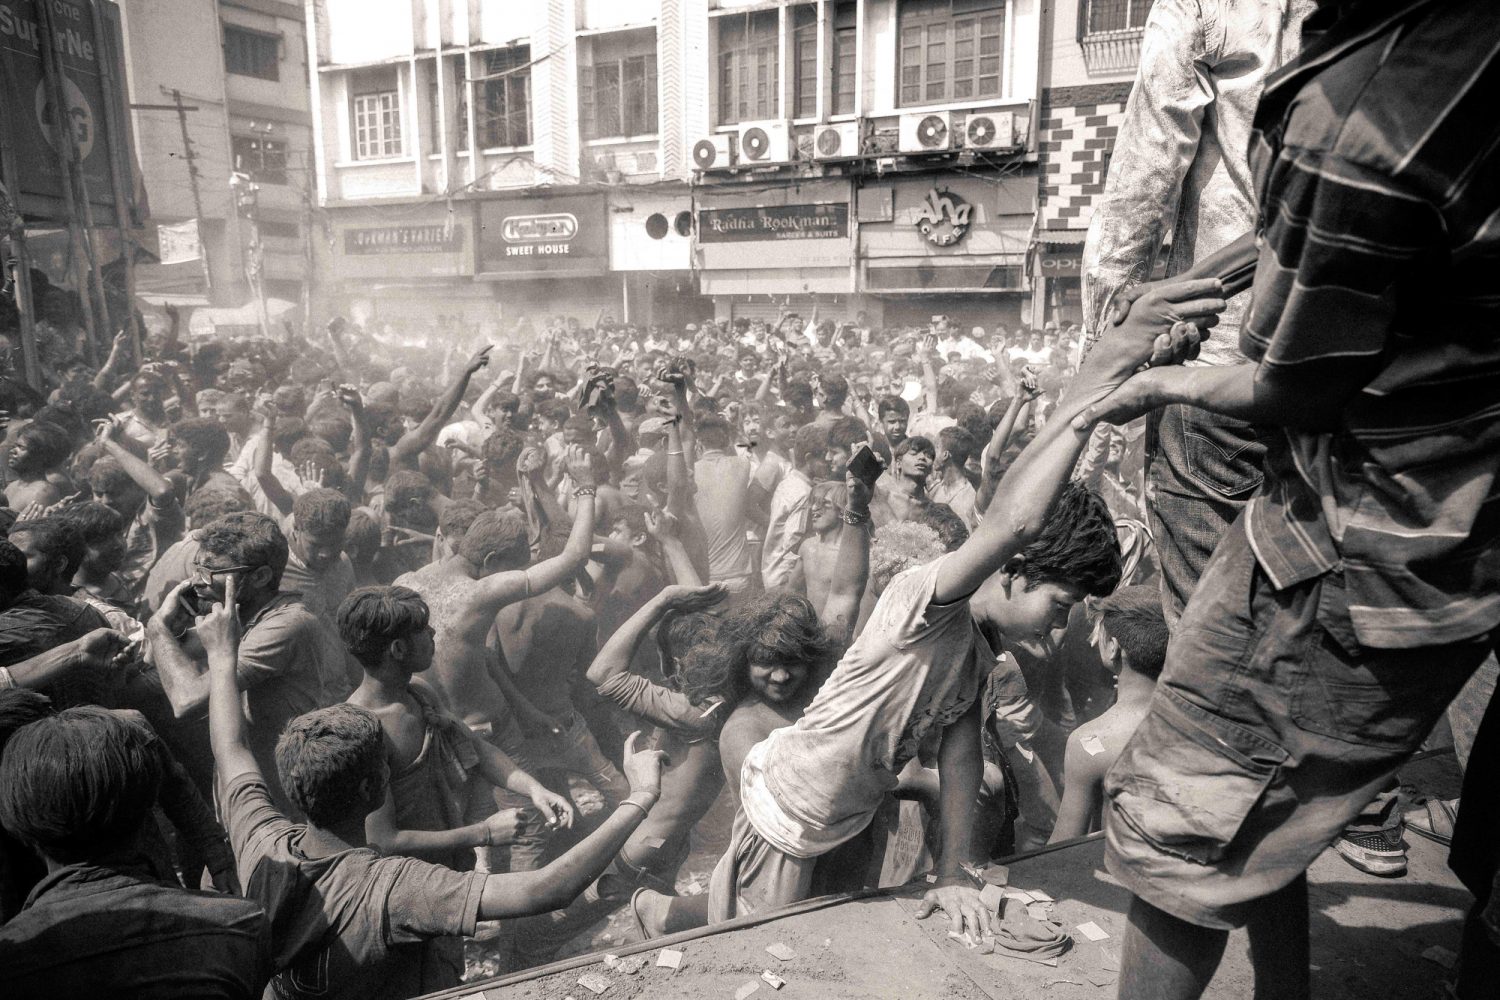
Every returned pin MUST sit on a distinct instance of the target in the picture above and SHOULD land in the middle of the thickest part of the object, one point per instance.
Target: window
(251, 53)
(805, 61)
(263, 159)
(950, 50)
(845, 45)
(748, 71)
(505, 98)
(377, 116)
(458, 108)
(1114, 15)
(618, 97)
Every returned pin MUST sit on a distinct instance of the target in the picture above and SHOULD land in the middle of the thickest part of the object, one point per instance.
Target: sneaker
(1373, 853)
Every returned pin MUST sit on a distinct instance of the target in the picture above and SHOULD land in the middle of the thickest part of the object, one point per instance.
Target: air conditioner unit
(836, 141)
(926, 132)
(714, 152)
(990, 130)
(765, 142)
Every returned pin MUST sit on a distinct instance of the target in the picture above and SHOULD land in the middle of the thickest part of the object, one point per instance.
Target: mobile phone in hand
(866, 466)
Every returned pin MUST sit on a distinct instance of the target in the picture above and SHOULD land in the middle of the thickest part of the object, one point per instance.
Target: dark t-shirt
(97, 931)
(36, 623)
(355, 924)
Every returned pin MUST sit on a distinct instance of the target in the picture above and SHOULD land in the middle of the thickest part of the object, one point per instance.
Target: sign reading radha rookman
(775, 222)
(86, 58)
(561, 235)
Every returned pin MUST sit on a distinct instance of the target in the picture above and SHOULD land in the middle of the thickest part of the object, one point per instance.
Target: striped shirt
(1377, 161)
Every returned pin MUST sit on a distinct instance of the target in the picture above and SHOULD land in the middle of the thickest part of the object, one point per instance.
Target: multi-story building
(629, 155)
(1089, 57)
(239, 69)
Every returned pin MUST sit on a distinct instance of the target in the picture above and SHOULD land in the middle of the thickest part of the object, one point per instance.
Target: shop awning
(990, 273)
(1062, 237)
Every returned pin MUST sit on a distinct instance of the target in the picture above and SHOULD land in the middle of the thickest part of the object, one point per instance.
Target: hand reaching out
(687, 600)
(643, 767)
(557, 811)
(579, 462)
(661, 525)
(312, 474)
(480, 359)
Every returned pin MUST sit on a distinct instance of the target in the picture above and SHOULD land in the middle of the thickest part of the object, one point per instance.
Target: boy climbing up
(1131, 637)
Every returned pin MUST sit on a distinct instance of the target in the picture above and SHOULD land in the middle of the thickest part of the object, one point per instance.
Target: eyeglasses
(202, 572)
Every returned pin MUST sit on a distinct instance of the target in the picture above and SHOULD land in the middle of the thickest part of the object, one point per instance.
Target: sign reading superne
(774, 222)
(559, 235)
(86, 59)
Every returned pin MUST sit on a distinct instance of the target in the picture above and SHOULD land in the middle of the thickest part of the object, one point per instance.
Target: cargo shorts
(1270, 730)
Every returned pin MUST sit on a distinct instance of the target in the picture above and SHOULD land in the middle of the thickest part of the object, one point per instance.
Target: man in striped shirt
(1361, 587)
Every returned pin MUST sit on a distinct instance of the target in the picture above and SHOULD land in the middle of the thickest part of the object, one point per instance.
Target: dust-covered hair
(322, 757)
(1078, 546)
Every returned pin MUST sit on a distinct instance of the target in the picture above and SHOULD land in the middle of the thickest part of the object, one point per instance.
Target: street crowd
(318, 650)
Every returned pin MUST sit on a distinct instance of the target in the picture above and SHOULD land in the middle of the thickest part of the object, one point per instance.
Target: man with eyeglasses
(281, 664)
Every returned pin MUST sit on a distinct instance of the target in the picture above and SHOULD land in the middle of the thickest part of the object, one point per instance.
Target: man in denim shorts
(1360, 588)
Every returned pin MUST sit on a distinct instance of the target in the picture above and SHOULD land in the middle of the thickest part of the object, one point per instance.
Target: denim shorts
(1202, 468)
(1270, 730)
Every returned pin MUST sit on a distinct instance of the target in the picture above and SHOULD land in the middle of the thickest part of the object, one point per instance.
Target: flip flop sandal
(1436, 821)
(635, 913)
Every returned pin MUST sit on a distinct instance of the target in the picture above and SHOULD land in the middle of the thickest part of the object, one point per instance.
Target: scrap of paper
(781, 951)
(593, 982)
(772, 980)
(992, 896)
(669, 959)
(1093, 745)
(746, 990)
(1093, 931)
(1040, 896)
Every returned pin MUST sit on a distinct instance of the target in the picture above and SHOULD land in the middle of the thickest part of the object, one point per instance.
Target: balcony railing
(1111, 51)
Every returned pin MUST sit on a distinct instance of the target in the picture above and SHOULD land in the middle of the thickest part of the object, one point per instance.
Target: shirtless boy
(1132, 642)
(432, 755)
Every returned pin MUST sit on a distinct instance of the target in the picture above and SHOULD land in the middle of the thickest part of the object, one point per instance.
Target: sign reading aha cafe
(943, 218)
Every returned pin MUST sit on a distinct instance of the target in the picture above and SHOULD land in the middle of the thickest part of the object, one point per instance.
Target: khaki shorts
(1270, 730)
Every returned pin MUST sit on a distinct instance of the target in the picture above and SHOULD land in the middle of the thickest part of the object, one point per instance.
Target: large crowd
(319, 649)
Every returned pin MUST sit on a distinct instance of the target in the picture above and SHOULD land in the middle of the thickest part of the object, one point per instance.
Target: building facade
(663, 159)
(1089, 62)
(238, 70)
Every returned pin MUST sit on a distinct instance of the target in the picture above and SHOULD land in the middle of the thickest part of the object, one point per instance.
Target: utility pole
(192, 165)
(247, 206)
(123, 204)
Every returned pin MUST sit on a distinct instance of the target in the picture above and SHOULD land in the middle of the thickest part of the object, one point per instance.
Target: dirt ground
(1369, 938)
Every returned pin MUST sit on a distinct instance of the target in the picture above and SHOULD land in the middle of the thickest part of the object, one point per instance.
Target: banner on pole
(98, 129)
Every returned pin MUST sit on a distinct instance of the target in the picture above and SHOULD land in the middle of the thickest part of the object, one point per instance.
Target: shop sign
(90, 69)
(437, 238)
(773, 223)
(943, 218)
(543, 237)
(1062, 262)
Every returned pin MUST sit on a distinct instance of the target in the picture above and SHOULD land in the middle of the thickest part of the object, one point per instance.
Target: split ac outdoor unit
(841, 139)
(928, 132)
(714, 152)
(990, 130)
(765, 142)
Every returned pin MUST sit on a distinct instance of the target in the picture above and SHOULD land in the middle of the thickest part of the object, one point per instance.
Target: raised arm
(264, 453)
(417, 440)
(359, 439)
(555, 886)
(1026, 392)
(219, 631)
(496, 591)
(618, 652)
(663, 527)
(1033, 482)
(158, 488)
